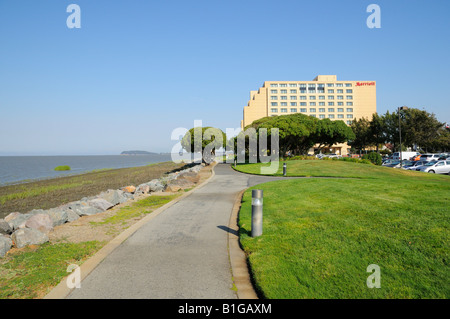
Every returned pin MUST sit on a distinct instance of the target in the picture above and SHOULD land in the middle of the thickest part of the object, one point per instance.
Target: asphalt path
(180, 254)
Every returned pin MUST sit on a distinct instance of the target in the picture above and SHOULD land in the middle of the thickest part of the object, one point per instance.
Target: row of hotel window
(310, 85)
(330, 91)
(310, 104)
(312, 97)
(313, 110)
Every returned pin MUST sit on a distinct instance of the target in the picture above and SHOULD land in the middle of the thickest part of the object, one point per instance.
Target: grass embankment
(51, 193)
(320, 235)
(32, 272)
(62, 168)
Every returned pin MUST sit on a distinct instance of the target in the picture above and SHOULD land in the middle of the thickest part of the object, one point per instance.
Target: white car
(429, 157)
(439, 167)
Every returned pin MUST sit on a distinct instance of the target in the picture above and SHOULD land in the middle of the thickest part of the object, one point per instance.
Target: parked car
(429, 157)
(415, 165)
(438, 167)
(407, 164)
(393, 163)
(416, 157)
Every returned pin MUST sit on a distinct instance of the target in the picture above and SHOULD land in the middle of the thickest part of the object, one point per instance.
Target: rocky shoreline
(32, 228)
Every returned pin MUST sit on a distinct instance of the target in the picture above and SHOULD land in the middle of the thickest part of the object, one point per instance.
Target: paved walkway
(181, 253)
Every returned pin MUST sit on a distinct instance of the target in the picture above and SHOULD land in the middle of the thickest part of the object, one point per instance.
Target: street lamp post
(400, 133)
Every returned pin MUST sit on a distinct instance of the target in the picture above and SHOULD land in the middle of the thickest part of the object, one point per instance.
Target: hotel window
(311, 91)
(321, 97)
(312, 97)
(303, 110)
(331, 116)
(348, 84)
(283, 85)
(302, 103)
(340, 116)
(349, 116)
(349, 122)
(339, 85)
(274, 103)
(311, 85)
(303, 90)
(273, 91)
(330, 97)
(313, 110)
(340, 97)
(302, 97)
(274, 85)
(349, 97)
(283, 97)
(313, 115)
(274, 97)
(321, 116)
(349, 91)
(340, 109)
(330, 91)
(312, 103)
(293, 110)
(293, 103)
(322, 110)
(340, 104)
(293, 85)
(283, 103)
(339, 91)
(293, 91)
(321, 103)
(274, 110)
(302, 85)
(283, 91)
(320, 85)
(283, 110)
(293, 97)
(349, 103)
(349, 110)
(330, 85)
(331, 110)
(330, 103)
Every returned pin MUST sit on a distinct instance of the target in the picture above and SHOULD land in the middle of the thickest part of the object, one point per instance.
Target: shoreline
(51, 192)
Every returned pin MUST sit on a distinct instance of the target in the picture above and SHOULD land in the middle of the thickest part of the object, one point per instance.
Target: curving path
(181, 253)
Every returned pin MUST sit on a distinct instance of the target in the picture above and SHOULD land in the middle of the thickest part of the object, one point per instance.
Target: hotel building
(323, 97)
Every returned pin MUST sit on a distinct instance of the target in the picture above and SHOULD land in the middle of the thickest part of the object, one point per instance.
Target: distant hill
(137, 153)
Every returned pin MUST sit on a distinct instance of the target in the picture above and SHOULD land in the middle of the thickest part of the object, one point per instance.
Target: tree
(361, 130)
(376, 132)
(205, 140)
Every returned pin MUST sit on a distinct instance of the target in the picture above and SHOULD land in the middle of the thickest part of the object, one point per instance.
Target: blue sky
(136, 70)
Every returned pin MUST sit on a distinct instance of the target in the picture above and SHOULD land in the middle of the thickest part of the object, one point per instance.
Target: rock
(71, 215)
(83, 209)
(142, 189)
(5, 245)
(172, 188)
(155, 185)
(128, 189)
(18, 220)
(28, 236)
(100, 203)
(41, 222)
(36, 211)
(58, 216)
(5, 228)
(11, 216)
(113, 196)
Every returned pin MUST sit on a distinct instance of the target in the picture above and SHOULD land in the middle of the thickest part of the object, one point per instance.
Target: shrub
(62, 168)
(374, 157)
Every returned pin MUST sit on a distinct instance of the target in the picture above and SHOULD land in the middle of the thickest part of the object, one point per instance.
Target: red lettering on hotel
(365, 83)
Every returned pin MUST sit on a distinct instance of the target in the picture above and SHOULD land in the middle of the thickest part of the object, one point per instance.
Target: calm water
(14, 169)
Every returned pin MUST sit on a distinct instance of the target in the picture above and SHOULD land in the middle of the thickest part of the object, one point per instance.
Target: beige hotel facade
(323, 97)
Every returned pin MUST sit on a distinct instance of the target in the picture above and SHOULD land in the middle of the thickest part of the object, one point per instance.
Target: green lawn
(319, 235)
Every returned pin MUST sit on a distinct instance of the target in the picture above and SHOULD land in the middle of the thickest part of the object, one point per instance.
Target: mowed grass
(320, 235)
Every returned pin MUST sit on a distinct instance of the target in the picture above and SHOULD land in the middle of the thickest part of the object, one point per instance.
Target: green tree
(362, 134)
(205, 140)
